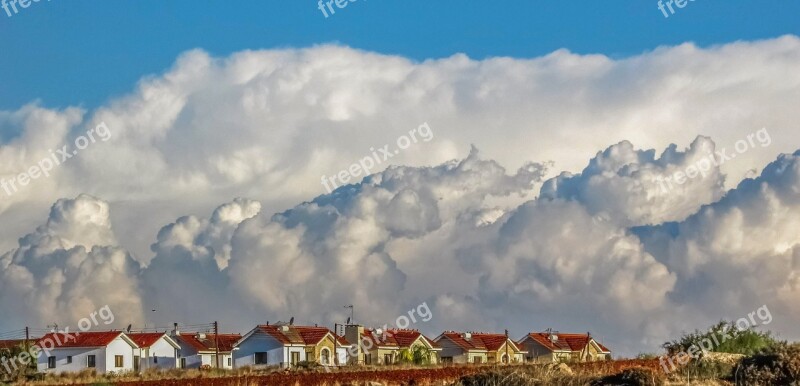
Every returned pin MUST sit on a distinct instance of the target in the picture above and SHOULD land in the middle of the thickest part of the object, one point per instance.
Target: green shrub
(778, 366)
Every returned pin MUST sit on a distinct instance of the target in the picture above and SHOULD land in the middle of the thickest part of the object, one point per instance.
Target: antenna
(352, 312)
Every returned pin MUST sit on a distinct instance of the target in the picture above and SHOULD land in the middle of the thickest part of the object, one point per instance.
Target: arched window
(325, 356)
(505, 358)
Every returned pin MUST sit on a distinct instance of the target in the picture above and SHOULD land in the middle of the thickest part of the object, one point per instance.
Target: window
(387, 359)
(90, 361)
(260, 358)
(325, 356)
(69, 359)
(183, 363)
(155, 358)
(51, 362)
(119, 361)
(368, 359)
(230, 362)
(447, 360)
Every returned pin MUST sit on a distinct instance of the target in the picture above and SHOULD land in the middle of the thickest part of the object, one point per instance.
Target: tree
(723, 337)
(418, 355)
(15, 363)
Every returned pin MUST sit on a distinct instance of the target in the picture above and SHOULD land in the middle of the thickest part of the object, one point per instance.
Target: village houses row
(287, 345)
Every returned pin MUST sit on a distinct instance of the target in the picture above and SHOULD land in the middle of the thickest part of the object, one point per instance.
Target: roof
(479, 341)
(207, 342)
(147, 339)
(405, 338)
(384, 339)
(302, 335)
(564, 342)
(82, 339)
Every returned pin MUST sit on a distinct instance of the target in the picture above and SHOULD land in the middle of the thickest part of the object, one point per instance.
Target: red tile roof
(79, 339)
(146, 339)
(208, 341)
(405, 338)
(305, 335)
(564, 342)
(384, 339)
(479, 341)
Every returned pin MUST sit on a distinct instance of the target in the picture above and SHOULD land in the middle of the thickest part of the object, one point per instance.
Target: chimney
(354, 333)
(175, 331)
(468, 335)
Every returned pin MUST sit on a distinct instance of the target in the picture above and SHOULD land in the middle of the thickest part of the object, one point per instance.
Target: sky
(595, 167)
(83, 52)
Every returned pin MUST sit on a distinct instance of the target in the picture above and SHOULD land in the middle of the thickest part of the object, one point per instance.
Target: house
(408, 340)
(200, 349)
(287, 345)
(475, 347)
(105, 352)
(549, 346)
(156, 350)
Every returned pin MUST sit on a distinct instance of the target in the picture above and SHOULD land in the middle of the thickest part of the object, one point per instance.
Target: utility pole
(27, 338)
(216, 341)
(507, 357)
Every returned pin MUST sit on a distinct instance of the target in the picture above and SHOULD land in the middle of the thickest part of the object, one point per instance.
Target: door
(295, 358)
(136, 363)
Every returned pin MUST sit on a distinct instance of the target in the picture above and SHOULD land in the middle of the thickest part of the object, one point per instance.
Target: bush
(637, 376)
(777, 366)
(724, 337)
(492, 378)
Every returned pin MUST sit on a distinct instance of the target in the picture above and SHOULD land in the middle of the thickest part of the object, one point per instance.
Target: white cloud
(600, 250)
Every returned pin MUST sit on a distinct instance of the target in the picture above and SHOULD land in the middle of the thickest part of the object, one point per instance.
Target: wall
(259, 342)
(79, 360)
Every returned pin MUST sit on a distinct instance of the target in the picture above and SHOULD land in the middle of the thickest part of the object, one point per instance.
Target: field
(576, 374)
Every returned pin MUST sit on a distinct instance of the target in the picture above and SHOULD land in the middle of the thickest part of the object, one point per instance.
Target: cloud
(69, 268)
(633, 188)
(601, 248)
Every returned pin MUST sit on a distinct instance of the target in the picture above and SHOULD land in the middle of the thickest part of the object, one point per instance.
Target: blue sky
(82, 52)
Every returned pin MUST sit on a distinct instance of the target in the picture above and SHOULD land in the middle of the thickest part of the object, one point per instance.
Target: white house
(287, 345)
(105, 352)
(200, 349)
(156, 350)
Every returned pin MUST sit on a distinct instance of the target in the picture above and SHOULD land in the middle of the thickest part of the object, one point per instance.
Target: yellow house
(549, 347)
(287, 345)
(475, 347)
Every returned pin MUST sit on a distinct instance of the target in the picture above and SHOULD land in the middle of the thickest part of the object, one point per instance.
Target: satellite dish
(291, 321)
(348, 320)
(129, 328)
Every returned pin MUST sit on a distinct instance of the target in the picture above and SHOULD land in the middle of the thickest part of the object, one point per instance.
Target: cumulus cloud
(487, 239)
(69, 268)
(632, 187)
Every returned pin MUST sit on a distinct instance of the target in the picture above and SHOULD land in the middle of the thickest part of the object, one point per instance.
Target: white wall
(166, 353)
(259, 342)
(119, 347)
(450, 349)
(79, 360)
